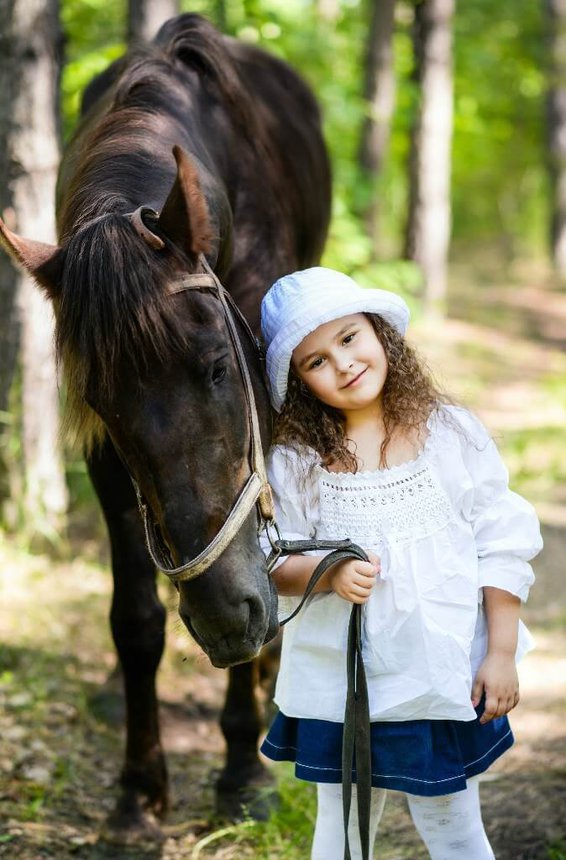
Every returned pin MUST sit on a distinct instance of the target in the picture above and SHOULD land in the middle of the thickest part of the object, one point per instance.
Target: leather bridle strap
(256, 488)
(356, 738)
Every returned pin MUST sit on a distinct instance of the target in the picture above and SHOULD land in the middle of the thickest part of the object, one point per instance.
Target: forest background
(496, 338)
(500, 186)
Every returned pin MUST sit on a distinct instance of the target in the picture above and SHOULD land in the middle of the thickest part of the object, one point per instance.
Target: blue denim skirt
(424, 757)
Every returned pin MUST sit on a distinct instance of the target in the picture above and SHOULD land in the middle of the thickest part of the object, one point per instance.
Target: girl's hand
(354, 579)
(497, 678)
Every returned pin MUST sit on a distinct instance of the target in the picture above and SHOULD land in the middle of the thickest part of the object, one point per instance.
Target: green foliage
(557, 851)
(499, 180)
(499, 160)
(94, 37)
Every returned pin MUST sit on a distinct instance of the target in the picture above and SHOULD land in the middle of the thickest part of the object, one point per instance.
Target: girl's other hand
(496, 678)
(354, 579)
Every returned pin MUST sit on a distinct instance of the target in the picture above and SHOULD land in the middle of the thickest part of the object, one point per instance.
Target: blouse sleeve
(505, 525)
(296, 504)
(293, 494)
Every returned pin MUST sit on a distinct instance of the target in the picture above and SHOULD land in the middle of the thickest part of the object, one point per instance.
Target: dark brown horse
(224, 142)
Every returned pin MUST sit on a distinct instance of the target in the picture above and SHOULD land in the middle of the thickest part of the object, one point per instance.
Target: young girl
(367, 448)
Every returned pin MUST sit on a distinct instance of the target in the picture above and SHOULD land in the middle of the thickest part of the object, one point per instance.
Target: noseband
(256, 490)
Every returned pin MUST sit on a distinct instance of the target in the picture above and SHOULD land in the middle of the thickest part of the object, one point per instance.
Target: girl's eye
(316, 363)
(349, 337)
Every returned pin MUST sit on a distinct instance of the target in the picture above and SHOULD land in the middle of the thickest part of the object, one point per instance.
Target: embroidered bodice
(392, 506)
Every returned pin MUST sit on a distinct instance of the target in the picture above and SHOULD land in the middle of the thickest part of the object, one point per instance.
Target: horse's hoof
(131, 824)
(257, 799)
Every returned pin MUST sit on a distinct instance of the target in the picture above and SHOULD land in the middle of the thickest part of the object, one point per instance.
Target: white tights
(328, 841)
(450, 826)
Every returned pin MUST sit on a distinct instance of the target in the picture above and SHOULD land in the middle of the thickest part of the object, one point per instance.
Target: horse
(196, 156)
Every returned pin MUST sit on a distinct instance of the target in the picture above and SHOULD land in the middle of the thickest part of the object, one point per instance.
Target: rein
(356, 743)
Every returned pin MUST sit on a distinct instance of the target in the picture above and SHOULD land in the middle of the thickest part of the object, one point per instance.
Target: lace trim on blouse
(391, 506)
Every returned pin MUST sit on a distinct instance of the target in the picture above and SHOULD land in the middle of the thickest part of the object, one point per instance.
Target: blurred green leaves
(499, 177)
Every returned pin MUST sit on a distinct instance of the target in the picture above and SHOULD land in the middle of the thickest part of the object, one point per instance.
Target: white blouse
(444, 525)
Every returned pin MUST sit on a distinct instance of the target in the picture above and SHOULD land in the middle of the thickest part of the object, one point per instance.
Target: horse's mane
(193, 41)
(112, 301)
(153, 98)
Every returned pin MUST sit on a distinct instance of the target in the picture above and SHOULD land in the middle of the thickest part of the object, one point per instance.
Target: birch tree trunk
(9, 320)
(145, 17)
(556, 118)
(9, 326)
(31, 107)
(428, 228)
(379, 93)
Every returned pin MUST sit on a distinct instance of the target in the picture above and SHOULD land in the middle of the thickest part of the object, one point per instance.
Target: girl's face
(343, 364)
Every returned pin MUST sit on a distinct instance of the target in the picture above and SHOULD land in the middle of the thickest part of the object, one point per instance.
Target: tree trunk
(379, 93)
(428, 228)
(145, 17)
(9, 328)
(31, 107)
(556, 117)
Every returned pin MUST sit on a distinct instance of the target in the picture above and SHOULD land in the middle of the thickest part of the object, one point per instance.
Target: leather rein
(356, 751)
(356, 735)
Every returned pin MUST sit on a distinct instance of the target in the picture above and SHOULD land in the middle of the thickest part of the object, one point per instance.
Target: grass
(286, 835)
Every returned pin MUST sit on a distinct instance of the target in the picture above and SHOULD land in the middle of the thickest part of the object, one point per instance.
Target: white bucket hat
(299, 303)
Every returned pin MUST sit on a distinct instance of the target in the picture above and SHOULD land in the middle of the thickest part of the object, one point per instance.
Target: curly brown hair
(410, 396)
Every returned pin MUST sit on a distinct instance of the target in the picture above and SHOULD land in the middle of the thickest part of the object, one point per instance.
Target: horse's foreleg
(138, 627)
(243, 785)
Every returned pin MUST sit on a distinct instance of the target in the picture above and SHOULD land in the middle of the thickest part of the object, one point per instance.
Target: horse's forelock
(113, 304)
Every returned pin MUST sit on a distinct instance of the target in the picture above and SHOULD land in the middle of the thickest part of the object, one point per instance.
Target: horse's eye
(218, 373)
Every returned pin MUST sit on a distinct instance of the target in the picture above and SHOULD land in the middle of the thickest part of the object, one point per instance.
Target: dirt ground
(60, 741)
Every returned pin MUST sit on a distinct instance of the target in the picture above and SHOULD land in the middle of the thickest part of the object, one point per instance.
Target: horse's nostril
(256, 615)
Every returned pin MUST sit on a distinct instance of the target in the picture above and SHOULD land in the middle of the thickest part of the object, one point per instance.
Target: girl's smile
(343, 364)
(355, 380)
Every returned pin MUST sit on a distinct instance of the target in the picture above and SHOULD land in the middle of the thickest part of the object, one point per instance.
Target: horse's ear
(43, 262)
(184, 218)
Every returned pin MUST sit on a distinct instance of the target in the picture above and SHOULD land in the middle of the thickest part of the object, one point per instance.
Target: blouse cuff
(508, 573)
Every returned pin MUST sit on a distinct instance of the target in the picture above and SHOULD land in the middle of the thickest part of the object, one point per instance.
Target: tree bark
(9, 327)
(428, 228)
(379, 93)
(32, 66)
(145, 17)
(556, 124)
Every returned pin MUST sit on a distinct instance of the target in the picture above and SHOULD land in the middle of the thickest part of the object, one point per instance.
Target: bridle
(256, 490)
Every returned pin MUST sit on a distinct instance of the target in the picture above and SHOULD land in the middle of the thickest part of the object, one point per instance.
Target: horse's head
(155, 366)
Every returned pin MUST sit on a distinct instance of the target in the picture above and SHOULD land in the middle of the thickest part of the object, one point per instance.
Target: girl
(368, 448)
